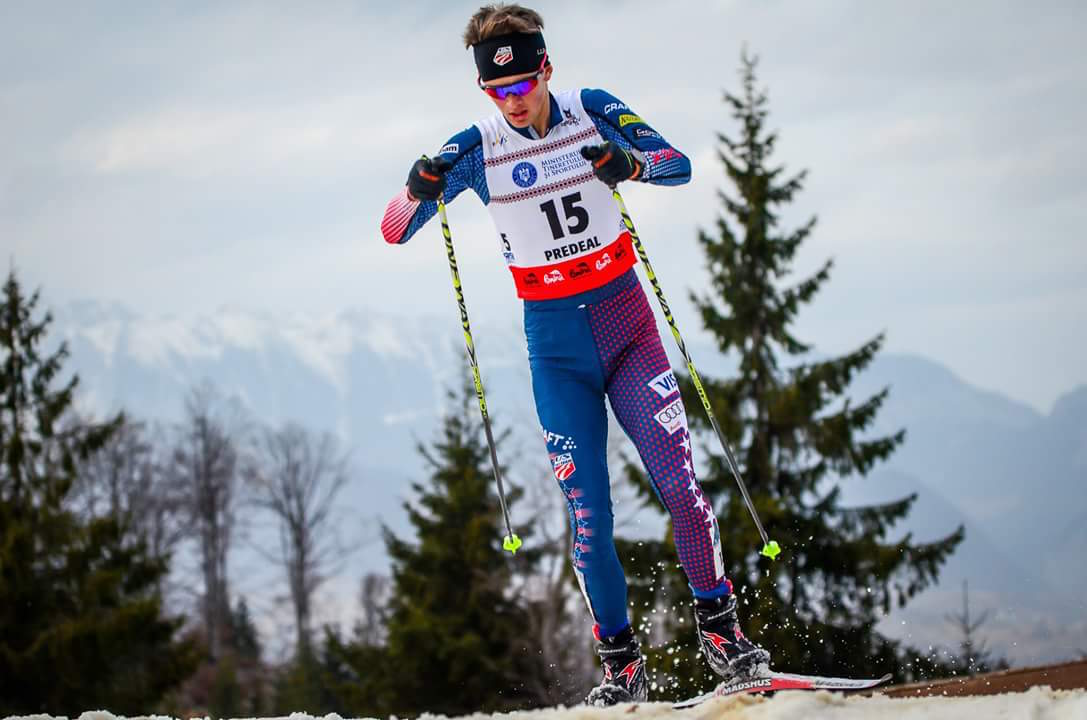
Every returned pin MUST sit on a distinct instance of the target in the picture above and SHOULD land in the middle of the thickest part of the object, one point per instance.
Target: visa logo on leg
(664, 384)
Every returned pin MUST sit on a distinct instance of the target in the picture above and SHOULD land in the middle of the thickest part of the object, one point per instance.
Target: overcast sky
(181, 157)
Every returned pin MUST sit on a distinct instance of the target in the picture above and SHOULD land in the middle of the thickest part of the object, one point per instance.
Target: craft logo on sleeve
(503, 55)
(672, 418)
(612, 107)
(524, 174)
(628, 119)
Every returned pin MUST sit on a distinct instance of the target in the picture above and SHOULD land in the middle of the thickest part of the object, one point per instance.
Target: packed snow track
(1038, 703)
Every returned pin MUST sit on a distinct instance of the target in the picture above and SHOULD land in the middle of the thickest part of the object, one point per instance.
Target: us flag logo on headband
(503, 55)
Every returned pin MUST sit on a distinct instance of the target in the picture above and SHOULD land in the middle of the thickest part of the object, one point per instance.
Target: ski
(774, 681)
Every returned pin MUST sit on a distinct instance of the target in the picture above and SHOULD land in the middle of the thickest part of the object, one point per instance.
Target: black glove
(612, 163)
(426, 181)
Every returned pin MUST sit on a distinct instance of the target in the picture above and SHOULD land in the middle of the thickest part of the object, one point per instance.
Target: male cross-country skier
(543, 165)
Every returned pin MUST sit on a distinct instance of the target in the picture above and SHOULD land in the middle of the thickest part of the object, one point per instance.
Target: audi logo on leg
(672, 418)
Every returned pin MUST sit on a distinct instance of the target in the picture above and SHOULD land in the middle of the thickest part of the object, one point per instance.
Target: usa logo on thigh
(563, 466)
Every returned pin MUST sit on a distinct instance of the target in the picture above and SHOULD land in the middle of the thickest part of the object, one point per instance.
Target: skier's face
(529, 109)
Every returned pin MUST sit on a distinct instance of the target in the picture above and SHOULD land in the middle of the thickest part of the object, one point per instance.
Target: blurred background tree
(81, 620)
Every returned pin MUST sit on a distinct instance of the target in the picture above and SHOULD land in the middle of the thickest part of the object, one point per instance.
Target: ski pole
(510, 542)
(770, 548)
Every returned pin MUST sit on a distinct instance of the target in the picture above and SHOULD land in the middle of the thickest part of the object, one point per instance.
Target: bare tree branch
(297, 477)
(128, 479)
(205, 470)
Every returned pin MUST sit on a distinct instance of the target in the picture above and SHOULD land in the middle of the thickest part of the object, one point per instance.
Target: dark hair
(501, 19)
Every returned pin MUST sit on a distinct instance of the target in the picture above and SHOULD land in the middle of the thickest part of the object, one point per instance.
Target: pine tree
(796, 434)
(356, 676)
(243, 632)
(455, 636)
(81, 622)
(974, 655)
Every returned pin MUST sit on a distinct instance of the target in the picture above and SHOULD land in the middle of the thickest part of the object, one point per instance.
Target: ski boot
(729, 653)
(624, 670)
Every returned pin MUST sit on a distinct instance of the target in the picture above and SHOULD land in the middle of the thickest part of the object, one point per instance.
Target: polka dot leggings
(605, 342)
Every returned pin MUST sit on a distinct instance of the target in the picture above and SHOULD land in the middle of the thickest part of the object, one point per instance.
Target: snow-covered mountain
(335, 372)
(1014, 477)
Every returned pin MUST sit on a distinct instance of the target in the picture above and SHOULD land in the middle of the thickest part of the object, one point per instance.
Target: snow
(323, 344)
(385, 337)
(104, 338)
(1038, 703)
(241, 329)
(153, 342)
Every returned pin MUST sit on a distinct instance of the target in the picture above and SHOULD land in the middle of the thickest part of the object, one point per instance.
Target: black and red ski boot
(624, 670)
(728, 651)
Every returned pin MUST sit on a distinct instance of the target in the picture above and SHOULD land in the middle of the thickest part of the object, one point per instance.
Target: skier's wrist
(639, 169)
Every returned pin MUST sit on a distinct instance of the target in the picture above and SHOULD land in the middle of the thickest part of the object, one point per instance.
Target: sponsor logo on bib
(524, 174)
(563, 164)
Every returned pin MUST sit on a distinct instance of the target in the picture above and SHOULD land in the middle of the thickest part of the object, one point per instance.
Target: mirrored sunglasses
(519, 88)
